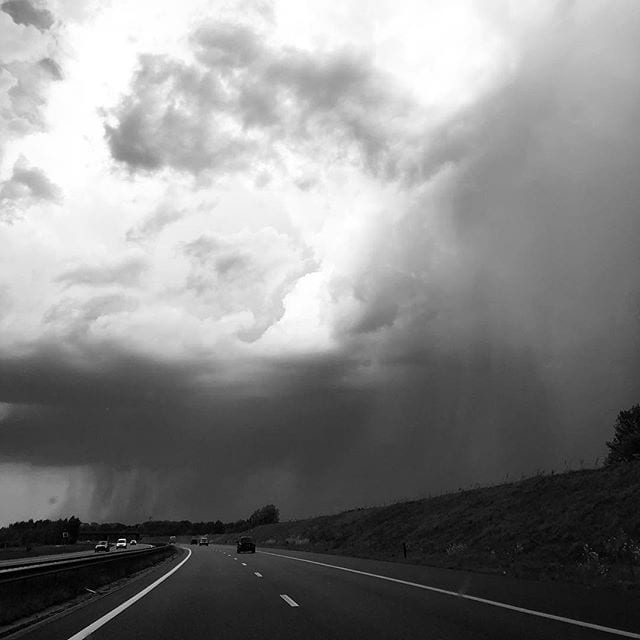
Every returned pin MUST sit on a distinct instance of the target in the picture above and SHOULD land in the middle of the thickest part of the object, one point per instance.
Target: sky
(321, 255)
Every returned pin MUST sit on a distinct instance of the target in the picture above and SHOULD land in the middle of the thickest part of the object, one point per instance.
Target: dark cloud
(27, 13)
(126, 273)
(301, 434)
(519, 249)
(234, 433)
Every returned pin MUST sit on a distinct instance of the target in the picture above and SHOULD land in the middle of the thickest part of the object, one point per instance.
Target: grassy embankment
(579, 526)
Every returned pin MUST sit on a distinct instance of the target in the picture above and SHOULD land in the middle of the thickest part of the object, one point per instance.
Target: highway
(282, 594)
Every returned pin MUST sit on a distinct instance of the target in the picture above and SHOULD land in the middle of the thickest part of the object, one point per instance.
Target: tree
(73, 528)
(265, 515)
(625, 446)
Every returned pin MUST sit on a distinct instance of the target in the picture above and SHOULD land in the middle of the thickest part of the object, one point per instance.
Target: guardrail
(54, 565)
(28, 589)
(57, 565)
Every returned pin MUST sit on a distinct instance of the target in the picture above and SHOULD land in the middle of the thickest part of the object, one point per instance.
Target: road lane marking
(288, 600)
(255, 573)
(493, 603)
(244, 564)
(94, 626)
(235, 558)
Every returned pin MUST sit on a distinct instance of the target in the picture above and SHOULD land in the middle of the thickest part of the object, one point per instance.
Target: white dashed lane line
(244, 564)
(290, 601)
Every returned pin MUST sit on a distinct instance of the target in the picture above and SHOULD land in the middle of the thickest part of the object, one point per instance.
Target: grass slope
(577, 526)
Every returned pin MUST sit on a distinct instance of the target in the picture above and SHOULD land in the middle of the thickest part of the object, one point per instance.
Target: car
(121, 544)
(133, 541)
(245, 543)
(172, 539)
(194, 540)
(204, 541)
(103, 545)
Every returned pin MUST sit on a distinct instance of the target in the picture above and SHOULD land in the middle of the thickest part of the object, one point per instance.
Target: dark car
(246, 544)
(194, 540)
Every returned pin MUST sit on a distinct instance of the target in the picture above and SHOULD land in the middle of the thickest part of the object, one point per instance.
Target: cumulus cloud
(28, 48)
(25, 186)
(126, 273)
(28, 182)
(164, 215)
(167, 121)
(26, 13)
(244, 98)
(27, 68)
(248, 274)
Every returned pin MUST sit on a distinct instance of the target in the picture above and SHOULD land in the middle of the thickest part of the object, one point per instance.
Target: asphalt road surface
(274, 594)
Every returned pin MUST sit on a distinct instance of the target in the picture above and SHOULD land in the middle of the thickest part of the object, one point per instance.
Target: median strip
(492, 603)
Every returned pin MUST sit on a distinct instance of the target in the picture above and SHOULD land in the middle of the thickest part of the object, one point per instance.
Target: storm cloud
(452, 298)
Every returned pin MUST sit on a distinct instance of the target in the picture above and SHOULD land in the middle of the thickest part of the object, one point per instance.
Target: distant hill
(578, 526)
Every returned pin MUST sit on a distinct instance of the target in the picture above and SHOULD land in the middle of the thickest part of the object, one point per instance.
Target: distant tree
(218, 527)
(73, 529)
(265, 515)
(625, 446)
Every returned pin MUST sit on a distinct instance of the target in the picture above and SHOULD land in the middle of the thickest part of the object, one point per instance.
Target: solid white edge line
(94, 626)
(290, 601)
(493, 603)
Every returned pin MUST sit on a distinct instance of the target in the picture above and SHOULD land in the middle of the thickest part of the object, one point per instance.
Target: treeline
(265, 515)
(28, 532)
(69, 530)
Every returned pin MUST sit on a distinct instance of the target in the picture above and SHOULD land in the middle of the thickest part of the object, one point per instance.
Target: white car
(121, 544)
(103, 545)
